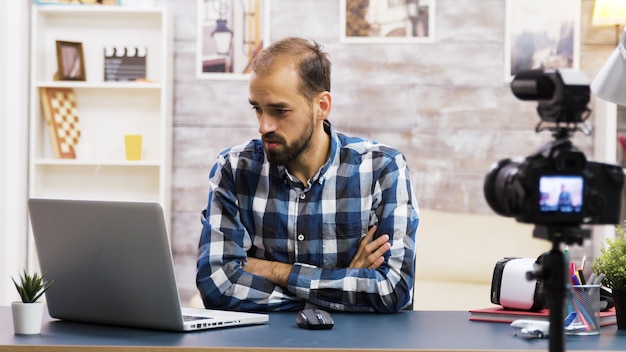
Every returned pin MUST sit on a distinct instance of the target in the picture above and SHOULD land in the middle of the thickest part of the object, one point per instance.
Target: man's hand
(370, 253)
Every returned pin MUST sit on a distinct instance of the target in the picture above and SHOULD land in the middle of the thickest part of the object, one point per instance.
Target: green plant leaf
(612, 260)
(31, 287)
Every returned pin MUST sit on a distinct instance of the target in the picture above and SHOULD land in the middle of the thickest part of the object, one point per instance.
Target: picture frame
(230, 33)
(385, 22)
(70, 61)
(541, 34)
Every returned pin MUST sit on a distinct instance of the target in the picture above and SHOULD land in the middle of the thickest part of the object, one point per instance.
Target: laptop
(111, 263)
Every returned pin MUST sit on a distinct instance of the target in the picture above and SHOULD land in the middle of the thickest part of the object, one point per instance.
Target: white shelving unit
(107, 110)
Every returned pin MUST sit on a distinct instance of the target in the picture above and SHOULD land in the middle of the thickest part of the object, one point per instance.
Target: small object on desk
(314, 319)
(533, 328)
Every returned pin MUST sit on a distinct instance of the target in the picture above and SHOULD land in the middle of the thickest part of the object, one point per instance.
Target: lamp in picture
(610, 13)
(222, 35)
(610, 82)
(412, 9)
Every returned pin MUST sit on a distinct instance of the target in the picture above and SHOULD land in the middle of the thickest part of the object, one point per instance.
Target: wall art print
(541, 34)
(230, 33)
(387, 21)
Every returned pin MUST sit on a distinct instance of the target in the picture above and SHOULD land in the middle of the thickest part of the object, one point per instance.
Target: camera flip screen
(561, 194)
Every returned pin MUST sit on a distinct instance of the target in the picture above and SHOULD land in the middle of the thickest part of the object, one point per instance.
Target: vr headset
(511, 289)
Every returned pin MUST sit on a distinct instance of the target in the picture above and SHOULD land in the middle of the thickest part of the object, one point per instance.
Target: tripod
(553, 275)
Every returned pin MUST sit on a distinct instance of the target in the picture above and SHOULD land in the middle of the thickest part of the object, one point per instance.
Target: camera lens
(533, 85)
(499, 188)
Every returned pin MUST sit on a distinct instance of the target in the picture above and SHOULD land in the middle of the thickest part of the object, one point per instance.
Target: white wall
(3, 15)
(14, 41)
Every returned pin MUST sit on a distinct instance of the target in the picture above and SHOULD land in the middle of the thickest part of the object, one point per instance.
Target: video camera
(556, 186)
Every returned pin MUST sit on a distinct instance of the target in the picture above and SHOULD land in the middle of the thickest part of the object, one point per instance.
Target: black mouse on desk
(314, 319)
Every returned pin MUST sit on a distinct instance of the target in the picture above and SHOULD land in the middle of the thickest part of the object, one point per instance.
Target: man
(565, 197)
(306, 216)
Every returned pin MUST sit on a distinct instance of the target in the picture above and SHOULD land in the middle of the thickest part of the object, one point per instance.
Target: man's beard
(291, 151)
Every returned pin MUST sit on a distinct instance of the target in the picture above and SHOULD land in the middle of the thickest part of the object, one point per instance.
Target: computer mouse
(314, 319)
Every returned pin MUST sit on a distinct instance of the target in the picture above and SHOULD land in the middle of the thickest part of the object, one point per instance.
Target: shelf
(111, 182)
(98, 27)
(99, 10)
(75, 162)
(99, 85)
(106, 110)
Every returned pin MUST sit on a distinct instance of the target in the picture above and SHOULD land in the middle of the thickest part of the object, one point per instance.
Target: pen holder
(584, 301)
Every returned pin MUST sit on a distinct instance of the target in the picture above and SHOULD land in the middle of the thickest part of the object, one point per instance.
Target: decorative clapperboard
(59, 108)
(124, 63)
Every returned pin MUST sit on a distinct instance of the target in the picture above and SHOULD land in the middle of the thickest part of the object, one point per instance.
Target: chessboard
(59, 108)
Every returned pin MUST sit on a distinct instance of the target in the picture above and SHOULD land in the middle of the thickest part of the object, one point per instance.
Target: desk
(407, 331)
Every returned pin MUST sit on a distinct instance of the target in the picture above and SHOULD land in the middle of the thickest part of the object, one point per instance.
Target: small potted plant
(612, 264)
(28, 314)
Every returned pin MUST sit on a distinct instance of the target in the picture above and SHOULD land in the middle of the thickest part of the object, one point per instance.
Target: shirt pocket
(340, 241)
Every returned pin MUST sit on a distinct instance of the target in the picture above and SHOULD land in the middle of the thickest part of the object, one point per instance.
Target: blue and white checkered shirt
(259, 210)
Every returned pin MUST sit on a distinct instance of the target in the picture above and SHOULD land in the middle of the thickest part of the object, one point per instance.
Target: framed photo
(387, 21)
(230, 33)
(70, 61)
(541, 34)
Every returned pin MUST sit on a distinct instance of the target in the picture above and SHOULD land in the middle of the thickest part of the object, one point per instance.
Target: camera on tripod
(556, 186)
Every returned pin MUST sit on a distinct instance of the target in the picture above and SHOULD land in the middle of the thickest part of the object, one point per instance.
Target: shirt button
(300, 237)
(302, 195)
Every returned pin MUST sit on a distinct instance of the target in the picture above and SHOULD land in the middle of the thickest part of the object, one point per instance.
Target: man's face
(286, 119)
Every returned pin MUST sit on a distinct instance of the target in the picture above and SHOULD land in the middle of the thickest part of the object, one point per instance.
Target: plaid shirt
(259, 210)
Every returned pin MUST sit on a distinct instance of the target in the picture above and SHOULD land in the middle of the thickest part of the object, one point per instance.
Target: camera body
(556, 186)
(562, 94)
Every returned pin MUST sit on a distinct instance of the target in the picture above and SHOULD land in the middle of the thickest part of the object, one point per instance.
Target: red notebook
(498, 314)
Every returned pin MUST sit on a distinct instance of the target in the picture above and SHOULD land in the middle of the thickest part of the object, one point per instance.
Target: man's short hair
(311, 63)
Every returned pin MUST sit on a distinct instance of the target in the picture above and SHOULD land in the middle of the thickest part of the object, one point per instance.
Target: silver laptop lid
(111, 262)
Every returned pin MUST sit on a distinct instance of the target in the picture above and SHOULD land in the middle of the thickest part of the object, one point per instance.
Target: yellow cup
(133, 146)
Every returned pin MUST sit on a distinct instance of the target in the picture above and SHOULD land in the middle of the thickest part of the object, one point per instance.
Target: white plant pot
(27, 317)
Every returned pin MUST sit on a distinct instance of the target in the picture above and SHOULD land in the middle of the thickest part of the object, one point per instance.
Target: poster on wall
(230, 33)
(541, 34)
(387, 21)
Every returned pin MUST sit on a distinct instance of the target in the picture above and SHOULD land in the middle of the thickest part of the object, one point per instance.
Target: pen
(581, 276)
(592, 279)
(575, 279)
(582, 262)
(572, 268)
(599, 279)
